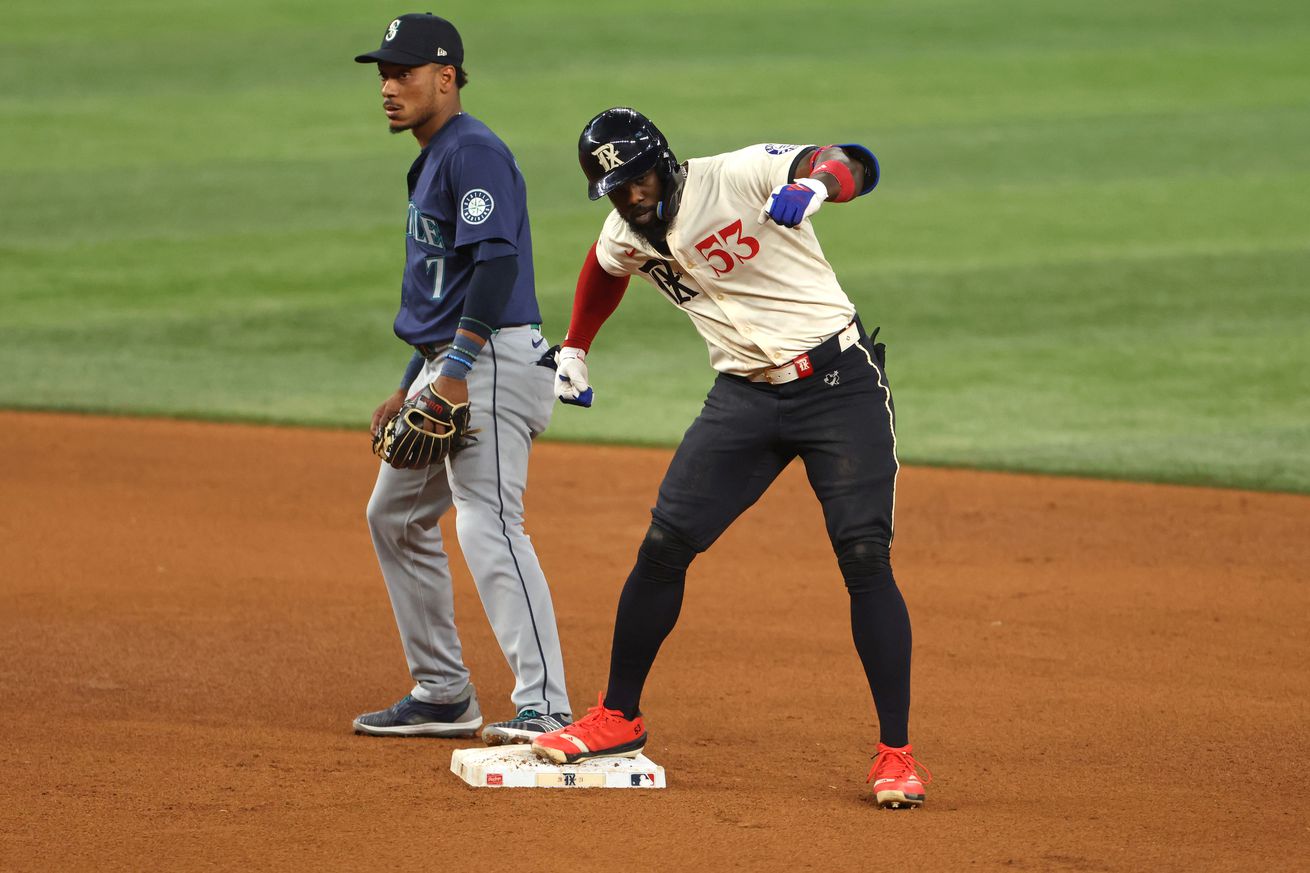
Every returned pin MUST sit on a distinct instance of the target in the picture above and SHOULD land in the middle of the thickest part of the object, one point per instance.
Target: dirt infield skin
(1107, 676)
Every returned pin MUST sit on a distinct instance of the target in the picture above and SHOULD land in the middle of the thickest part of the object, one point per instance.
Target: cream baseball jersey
(761, 295)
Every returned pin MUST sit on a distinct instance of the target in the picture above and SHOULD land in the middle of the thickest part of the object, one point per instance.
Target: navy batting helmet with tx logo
(620, 145)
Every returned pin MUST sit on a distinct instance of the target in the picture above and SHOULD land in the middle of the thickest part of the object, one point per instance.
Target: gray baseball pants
(511, 399)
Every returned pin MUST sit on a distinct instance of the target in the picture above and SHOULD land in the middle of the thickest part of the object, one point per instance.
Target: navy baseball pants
(840, 423)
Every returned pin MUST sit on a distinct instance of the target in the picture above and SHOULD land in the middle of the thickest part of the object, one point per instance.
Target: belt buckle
(804, 369)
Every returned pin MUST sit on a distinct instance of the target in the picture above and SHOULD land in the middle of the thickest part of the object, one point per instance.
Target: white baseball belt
(802, 368)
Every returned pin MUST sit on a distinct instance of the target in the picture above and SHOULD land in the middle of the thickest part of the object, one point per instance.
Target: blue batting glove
(583, 399)
(789, 205)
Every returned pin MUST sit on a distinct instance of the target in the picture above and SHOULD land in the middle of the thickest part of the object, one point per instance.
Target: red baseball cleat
(895, 778)
(601, 732)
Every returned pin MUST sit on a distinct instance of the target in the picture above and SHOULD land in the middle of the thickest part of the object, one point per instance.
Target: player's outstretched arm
(836, 173)
(597, 296)
(845, 171)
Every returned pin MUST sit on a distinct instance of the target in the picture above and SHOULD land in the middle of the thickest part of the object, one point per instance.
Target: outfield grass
(1090, 252)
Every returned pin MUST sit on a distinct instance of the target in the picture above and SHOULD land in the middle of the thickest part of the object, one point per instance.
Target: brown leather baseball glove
(427, 430)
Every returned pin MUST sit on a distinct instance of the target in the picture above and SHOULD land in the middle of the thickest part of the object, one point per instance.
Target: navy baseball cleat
(524, 727)
(408, 717)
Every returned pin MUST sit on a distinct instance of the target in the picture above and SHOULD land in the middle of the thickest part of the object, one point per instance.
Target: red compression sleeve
(595, 300)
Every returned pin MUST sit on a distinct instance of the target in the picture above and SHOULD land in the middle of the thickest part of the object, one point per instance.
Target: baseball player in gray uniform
(469, 310)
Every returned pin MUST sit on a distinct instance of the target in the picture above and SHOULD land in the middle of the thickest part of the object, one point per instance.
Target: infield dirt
(1108, 676)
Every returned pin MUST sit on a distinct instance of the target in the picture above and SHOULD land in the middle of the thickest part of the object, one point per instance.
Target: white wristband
(820, 190)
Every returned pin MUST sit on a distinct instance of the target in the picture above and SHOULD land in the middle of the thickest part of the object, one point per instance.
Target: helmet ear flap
(668, 169)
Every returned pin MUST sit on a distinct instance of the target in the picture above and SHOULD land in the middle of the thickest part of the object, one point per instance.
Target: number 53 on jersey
(728, 248)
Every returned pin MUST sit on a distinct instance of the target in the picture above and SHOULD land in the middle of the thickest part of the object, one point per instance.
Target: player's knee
(473, 519)
(380, 520)
(866, 565)
(664, 556)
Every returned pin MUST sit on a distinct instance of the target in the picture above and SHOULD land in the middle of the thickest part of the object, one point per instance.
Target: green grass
(1090, 252)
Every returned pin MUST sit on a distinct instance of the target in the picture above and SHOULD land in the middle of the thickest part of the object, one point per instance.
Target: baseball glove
(427, 430)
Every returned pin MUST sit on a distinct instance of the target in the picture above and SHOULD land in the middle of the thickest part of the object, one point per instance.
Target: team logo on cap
(476, 206)
(608, 156)
(392, 30)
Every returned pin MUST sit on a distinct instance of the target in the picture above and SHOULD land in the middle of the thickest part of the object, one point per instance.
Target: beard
(419, 120)
(654, 231)
(408, 125)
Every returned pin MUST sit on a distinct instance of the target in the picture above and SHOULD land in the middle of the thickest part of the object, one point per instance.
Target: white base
(519, 767)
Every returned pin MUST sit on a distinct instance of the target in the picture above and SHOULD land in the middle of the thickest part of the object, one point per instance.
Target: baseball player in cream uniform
(727, 240)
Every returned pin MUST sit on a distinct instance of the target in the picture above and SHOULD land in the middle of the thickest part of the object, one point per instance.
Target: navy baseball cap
(416, 39)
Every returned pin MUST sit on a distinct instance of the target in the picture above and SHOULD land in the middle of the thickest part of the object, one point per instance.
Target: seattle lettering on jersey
(423, 228)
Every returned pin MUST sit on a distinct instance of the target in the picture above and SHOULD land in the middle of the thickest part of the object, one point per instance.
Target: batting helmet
(620, 145)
